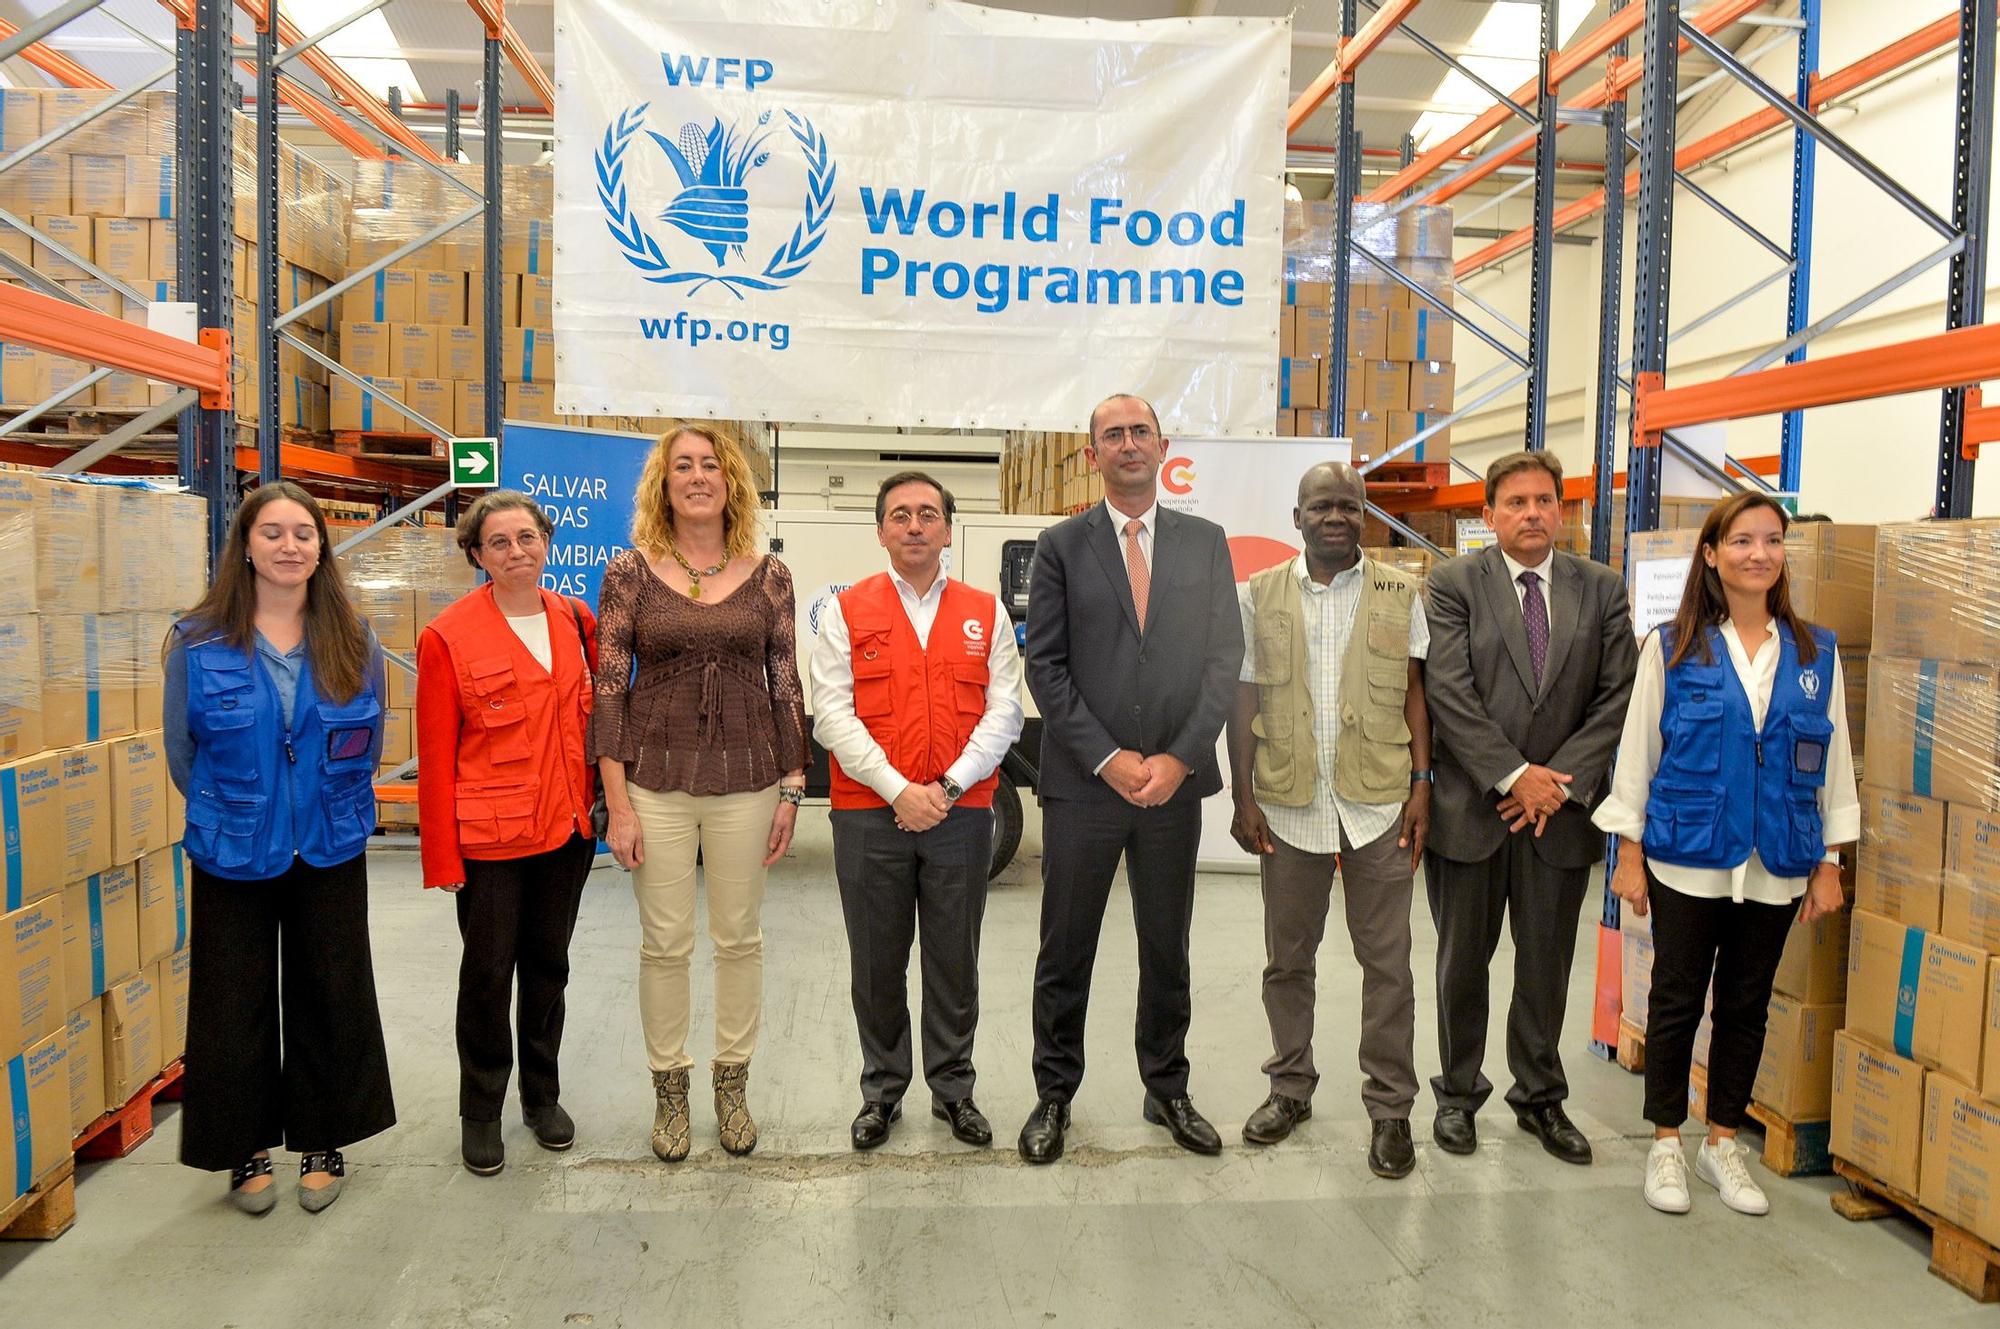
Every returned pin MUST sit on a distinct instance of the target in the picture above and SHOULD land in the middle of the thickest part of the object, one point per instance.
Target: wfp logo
(718, 168)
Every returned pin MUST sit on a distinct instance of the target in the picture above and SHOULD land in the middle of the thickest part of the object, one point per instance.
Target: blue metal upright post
(1972, 184)
(1611, 283)
(206, 225)
(492, 145)
(1653, 259)
(1805, 152)
(265, 353)
(454, 140)
(1541, 276)
(1346, 187)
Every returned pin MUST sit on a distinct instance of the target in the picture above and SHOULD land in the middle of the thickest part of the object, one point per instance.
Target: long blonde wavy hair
(653, 518)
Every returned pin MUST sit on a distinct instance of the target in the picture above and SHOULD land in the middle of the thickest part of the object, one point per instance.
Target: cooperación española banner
(913, 213)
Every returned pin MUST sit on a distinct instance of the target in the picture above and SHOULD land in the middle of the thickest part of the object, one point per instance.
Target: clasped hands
(921, 806)
(1537, 795)
(1144, 782)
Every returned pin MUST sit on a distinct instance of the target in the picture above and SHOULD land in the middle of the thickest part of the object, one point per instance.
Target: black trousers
(284, 1041)
(1083, 843)
(515, 916)
(1539, 904)
(1739, 946)
(897, 886)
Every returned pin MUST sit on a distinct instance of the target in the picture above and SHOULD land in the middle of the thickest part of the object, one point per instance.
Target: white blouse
(1623, 812)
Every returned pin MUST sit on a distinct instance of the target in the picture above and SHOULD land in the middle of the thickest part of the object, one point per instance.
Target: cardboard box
(1901, 871)
(461, 354)
(1933, 726)
(163, 904)
(389, 296)
(83, 1040)
(1406, 425)
(1831, 568)
(31, 805)
(538, 307)
(115, 131)
(1299, 384)
(1959, 1169)
(100, 917)
(20, 686)
(86, 810)
(396, 735)
(533, 254)
(1916, 992)
(133, 1035)
(68, 563)
(507, 286)
(174, 1006)
(534, 402)
(149, 185)
(1795, 1074)
(34, 1125)
(163, 243)
(1878, 1102)
(1433, 383)
(1813, 970)
(413, 349)
(33, 1001)
(97, 295)
(1369, 433)
(20, 118)
(468, 409)
(353, 408)
(528, 355)
(1971, 907)
(117, 651)
(76, 705)
(38, 187)
(140, 807)
(1385, 387)
(1417, 334)
(364, 348)
(430, 601)
(1318, 293)
(28, 377)
(124, 248)
(430, 398)
(1635, 973)
(440, 298)
(77, 234)
(391, 613)
(1367, 331)
(96, 185)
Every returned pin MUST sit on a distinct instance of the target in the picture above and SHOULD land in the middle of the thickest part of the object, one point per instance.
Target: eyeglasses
(501, 545)
(1117, 434)
(903, 517)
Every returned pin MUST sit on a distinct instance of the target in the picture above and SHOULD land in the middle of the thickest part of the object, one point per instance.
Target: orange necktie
(1136, 570)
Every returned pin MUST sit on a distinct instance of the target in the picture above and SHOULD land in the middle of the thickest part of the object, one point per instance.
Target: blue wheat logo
(714, 206)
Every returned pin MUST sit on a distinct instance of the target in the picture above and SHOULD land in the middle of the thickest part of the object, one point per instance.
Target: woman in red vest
(503, 797)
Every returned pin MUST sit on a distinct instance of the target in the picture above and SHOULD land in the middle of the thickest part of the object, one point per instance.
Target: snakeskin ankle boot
(732, 1107)
(670, 1115)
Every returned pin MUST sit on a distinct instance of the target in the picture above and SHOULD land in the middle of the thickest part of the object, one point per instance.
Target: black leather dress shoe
(1190, 1129)
(1275, 1119)
(871, 1124)
(968, 1123)
(1557, 1134)
(552, 1126)
(480, 1146)
(1454, 1132)
(1042, 1135)
(1390, 1153)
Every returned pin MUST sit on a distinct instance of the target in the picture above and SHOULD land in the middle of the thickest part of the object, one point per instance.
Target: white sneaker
(1723, 1167)
(1667, 1177)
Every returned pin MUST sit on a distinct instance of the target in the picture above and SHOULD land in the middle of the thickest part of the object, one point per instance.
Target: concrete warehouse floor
(1127, 1230)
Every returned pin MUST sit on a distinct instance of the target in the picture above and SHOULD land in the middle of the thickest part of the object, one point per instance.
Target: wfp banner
(911, 213)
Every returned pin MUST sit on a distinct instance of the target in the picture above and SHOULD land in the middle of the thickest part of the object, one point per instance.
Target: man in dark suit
(1530, 667)
(1134, 643)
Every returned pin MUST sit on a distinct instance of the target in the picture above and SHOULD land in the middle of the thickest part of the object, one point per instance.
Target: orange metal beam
(1956, 359)
(343, 84)
(1627, 72)
(54, 63)
(531, 69)
(1576, 488)
(295, 459)
(61, 328)
(1353, 50)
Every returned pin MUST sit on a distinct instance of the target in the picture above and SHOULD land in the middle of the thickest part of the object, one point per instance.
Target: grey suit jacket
(1102, 685)
(1487, 716)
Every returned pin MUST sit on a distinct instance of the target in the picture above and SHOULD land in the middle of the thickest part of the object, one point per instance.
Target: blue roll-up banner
(584, 479)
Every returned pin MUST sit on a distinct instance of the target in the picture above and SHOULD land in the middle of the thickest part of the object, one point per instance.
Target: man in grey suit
(1133, 646)
(1531, 664)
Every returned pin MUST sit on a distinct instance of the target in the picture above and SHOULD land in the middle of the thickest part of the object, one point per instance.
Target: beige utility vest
(1372, 750)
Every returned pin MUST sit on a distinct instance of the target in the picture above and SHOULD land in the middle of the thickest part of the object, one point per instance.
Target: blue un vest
(260, 793)
(1723, 787)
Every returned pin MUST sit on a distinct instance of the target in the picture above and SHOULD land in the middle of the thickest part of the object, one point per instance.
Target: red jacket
(500, 763)
(920, 704)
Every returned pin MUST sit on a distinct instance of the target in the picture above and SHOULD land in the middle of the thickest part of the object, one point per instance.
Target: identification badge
(1808, 755)
(347, 744)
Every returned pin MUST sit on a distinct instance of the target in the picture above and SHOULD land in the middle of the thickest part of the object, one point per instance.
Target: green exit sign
(475, 462)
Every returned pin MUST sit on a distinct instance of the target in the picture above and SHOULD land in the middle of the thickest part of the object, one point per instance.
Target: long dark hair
(336, 639)
(1703, 604)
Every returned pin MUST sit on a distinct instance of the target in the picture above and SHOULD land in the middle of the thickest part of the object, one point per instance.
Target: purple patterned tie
(1535, 617)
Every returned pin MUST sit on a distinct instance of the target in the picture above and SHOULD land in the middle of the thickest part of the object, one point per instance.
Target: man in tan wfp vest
(1329, 753)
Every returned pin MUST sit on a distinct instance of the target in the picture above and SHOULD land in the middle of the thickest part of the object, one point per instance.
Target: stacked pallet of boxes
(416, 330)
(1305, 326)
(1400, 376)
(1048, 473)
(93, 980)
(106, 193)
(1916, 1088)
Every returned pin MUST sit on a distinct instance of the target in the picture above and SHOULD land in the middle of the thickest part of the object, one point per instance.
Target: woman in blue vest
(273, 717)
(1734, 784)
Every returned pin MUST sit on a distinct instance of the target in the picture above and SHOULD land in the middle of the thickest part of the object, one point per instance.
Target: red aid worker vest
(920, 703)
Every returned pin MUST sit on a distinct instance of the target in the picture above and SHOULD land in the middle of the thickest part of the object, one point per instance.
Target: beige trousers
(732, 833)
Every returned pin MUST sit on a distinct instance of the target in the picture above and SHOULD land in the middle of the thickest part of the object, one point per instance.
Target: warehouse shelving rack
(50, 318)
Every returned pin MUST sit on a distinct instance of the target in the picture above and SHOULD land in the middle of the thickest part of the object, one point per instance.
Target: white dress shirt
(841, 732)
(1326, 616)
(1623, 812)
(1514, 571)
(1148, 520)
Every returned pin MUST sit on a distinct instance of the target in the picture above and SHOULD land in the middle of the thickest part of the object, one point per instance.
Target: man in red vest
(916, 696)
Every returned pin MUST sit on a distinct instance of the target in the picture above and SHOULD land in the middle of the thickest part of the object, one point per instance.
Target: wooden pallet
(387, 445)
(1631, 1047)
(44, 1213)
(1794, 1148)
(1959, 1258)
(123, 1129)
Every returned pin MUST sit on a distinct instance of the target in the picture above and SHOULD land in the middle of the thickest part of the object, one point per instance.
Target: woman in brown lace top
(702, 748)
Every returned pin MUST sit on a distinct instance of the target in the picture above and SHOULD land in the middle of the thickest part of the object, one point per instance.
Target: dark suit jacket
(1487, 717)
(1100, 685)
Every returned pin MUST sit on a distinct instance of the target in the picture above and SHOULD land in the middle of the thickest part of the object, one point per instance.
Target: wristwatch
(787, 794)
(953, 791)
(1423, 777)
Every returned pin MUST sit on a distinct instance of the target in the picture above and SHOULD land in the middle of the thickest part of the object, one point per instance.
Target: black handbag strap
(582, 642)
